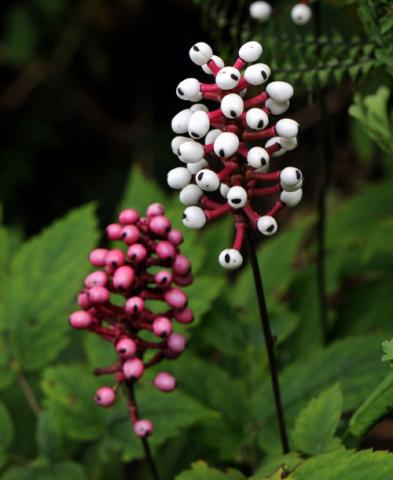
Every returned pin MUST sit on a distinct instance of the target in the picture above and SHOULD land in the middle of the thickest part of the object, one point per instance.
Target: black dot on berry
(195, 48)
(184, 216)
(114, 264)
(236, 200)
(221, 153)
(180, 91)
(135, 308)
(264, 75)
(260, 124)
(234, 77)
(122, 350)
(263, 161)
(178, 151)
(193, 134)
(123, 235)
(233, 113)
(298, 174)
(200, 176)
(270, 228)
(227, 258)
(98, 398)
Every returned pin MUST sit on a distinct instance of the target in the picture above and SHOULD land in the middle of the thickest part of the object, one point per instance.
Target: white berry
(188, 89)
(250, 51)
(199, 106)
(267, 225)
(226, 144)
(301, 14)
(289, 143)
(291, 199)
(178, 178)
(224, 190)
(180, 121)
(191, 152)
(200, 53)
(261, 11)
(257, 119)
(273, 141)
(291, 179)
(232, 105)
(287, 128)
(198, 124)
(194, 218)
(212, 135)
(280, 91)
(194, 168)
(207, 180)
(176, 142)
(231, 259)
(190, 195)
(228, 78)
(258, 158)
(277, 108)
(237, 197)
(257, 74)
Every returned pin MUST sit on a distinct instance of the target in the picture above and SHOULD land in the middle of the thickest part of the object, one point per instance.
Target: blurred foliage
(335, 387)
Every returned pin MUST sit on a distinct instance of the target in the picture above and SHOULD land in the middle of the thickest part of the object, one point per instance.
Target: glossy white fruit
(230, 259)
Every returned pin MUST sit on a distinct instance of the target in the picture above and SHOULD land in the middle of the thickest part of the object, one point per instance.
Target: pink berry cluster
(301, 12)
(147, 270)
(224, 165)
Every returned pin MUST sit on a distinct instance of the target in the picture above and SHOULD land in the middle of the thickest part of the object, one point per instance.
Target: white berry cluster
(223, 163)
(300, 13)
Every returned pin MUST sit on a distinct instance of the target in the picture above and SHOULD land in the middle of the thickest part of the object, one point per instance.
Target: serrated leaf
(376, 406)
(58, 471)
(352, 362)
(45, 276)
(317, 423)
(7, 428)
(282, 463)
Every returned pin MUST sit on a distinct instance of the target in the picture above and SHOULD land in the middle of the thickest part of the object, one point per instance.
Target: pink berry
(181, 265)
(183, 281)
(128, 216)
(165, 250)
(175, 237)
(83, 300)
(97, 257)
(137, 252)
(123, 277)
(165, 382)
(133, 368)
(105, 396)
(99, 295)
(115, 258)
(96, 279)
(130, 234)
(176, 298)
(143, 428)
(163, 278)
(162, 327)
(160, 225)
(134, 305)
(126, 347)
(81, 319)
(155, 209)
(176, 343)
(184, 316)
(113, 231)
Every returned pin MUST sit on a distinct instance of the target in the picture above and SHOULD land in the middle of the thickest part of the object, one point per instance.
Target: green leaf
(49, 438)
(170, 414)
(201, 471)
(376, 406)
(69, 392)
(352, 362)
(346, 465)
(100, 353)
(202, 293)
(141, 191)
(387, 347)
(58, 471)
(287, 462)
(20, 36)
(7, 428)
(317, 423)
(45, 276)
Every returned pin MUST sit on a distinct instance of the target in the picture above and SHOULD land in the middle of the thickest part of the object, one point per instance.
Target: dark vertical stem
(269, 341)
(144, 441)
(327, 159)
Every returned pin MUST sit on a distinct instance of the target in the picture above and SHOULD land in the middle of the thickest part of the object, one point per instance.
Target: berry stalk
(269, 341)
(133, 408)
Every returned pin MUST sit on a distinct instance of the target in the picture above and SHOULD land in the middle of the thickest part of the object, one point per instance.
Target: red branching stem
(273, 148)
(208, 203)
(209, 87)
(255, 101)
(107, 370)
(251, 214)
(251, 175)
(213, 67)
(240, 228)
(218, 212)
(229, 168)
(155, 359)
(261, 192)
(249, 135)
(208, 148)
(276, 208)
(239, 64)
